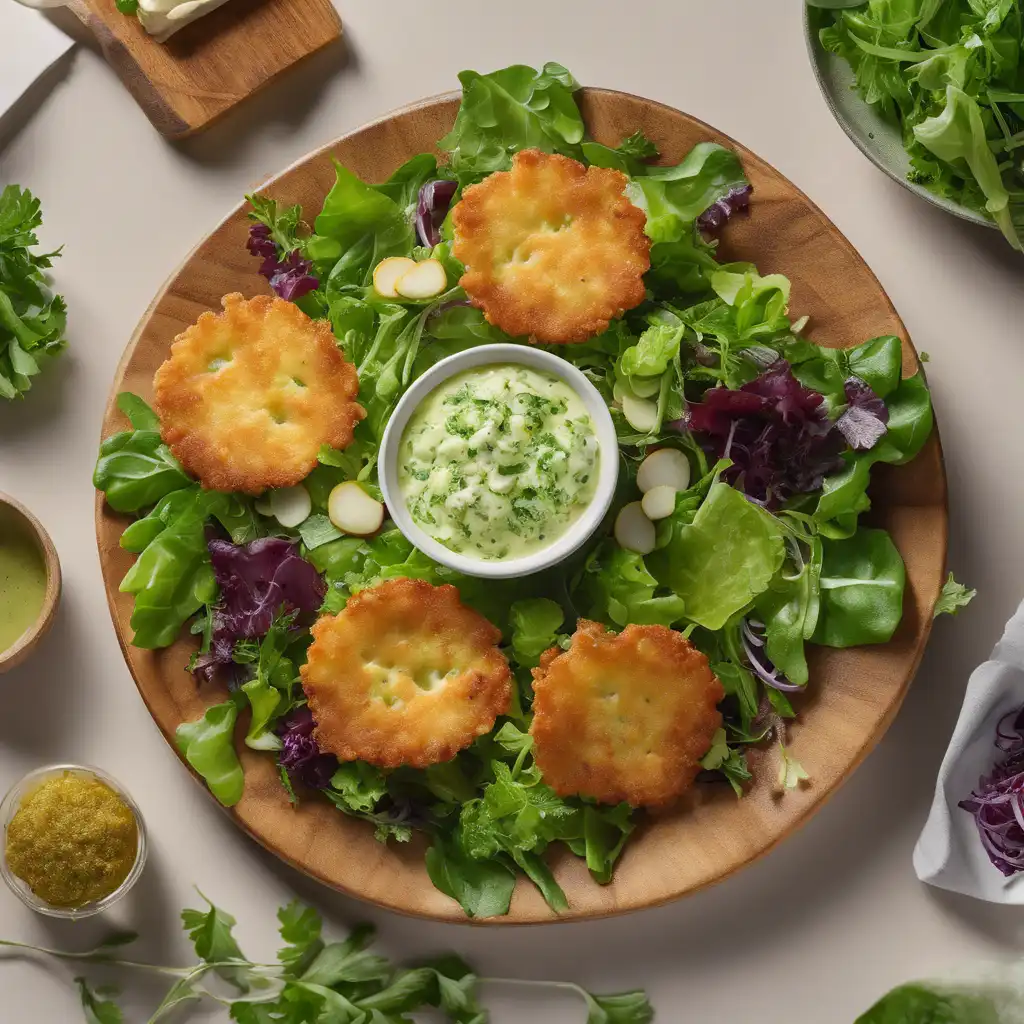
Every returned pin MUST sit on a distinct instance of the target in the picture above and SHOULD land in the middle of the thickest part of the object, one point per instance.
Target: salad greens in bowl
(755, 408)
(933, 94)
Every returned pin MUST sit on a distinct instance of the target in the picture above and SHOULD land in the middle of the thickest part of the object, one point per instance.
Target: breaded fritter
(553, 250)
(248, 396)
(405, 674)
(624, 716)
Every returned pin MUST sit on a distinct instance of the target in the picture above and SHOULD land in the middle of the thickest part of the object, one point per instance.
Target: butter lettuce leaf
(725, 558)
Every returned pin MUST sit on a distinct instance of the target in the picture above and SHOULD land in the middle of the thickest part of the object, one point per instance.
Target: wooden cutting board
(203, 70)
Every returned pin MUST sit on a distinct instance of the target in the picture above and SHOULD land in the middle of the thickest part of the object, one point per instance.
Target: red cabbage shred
(290, 277)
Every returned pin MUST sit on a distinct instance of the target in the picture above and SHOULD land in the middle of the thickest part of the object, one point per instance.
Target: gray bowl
(879, 140)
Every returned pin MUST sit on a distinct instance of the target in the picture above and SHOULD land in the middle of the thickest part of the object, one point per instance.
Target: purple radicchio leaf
(714, 217)
(290, 277)
(864, 422)
(776, 432)
(997, 802)
(300, 755)
(256, 581)
(434, 199)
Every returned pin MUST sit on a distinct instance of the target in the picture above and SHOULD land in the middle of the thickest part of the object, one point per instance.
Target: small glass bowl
(9, 807)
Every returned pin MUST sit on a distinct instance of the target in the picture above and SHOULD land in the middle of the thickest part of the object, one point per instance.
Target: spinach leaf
(919, 1003)
(208, 745)
(172, 577)
(725, 558)
(605, 831)
(509, 110)
(483, 888)
(862, 580)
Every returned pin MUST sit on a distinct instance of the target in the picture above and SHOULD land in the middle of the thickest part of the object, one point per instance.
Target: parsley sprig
(314, 980)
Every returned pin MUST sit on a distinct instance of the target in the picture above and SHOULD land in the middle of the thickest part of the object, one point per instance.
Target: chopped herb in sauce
(499, 461)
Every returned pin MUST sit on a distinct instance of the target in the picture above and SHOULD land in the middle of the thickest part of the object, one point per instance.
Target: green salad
(949, 72)
(760, 552)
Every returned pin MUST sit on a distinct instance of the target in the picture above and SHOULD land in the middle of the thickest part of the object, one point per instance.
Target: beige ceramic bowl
(12, 511)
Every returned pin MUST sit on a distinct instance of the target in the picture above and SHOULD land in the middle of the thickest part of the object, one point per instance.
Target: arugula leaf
(509, 110)
(483, 888)
(725, 558)
(791, 772)
(605, 831)
(862, 581)
(96, 1009)
(624, 1008)
(208, 746)
(32, 318)
(211, 932)
(954, 596)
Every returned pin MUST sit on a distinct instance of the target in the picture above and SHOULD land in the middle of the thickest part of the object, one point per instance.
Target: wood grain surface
(853, 695)
(204, 69)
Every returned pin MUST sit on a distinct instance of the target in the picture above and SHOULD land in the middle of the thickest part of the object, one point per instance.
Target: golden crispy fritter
(405, 674)
(248, 396)
(624, 716)
(552, 249)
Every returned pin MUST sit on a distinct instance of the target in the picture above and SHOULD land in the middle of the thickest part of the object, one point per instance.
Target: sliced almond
(423, 281)
(659, 502)
(290, 505)
(633, 530)
(387, 273)
(666, 467)
(641, 413)
(353, 511)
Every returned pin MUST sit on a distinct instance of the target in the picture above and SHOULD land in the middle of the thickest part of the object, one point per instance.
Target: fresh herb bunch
(764, 552)
(32, 318)
(315, 981)
(950, 74)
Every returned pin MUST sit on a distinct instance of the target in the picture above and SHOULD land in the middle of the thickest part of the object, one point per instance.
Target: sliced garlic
(659, 501)
(665, 467)
(633, 530)
(641, 413)
(387, 273)
(423, 281)
(290, 505)
(353, 511)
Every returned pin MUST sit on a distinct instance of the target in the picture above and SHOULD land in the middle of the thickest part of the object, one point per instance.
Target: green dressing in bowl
(22, 579)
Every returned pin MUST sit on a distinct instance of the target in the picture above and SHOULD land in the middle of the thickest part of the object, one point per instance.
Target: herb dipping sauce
(499, 461)
(22, 579)
(72, 840)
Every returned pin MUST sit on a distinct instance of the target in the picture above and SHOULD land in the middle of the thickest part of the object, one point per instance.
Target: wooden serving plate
(204, 69)
(854, 694)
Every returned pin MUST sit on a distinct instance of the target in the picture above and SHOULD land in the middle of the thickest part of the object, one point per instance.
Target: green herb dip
(499, 461)
(22, 579)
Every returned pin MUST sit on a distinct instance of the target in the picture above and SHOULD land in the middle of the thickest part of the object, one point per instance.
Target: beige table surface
(831, 919)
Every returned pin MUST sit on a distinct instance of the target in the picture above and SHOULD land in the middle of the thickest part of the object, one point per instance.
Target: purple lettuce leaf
(256, 581)
(776, 432)
(863, 424)
(300, 754)
(714, 217)
(434, 199)
(290, 276)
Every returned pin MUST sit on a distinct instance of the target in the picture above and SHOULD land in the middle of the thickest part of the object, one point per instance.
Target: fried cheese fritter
(405, 674)
(624, 716)
(553, 250)
(248, 396)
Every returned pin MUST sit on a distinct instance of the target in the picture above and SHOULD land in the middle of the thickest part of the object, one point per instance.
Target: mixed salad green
(949, 72)
(32, 318)
(764, 553)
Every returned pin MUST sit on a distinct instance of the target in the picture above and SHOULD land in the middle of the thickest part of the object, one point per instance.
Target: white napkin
(30, 45)
(949, 853)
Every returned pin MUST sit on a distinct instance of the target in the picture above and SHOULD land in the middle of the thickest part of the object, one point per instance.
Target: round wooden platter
(854, 694)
